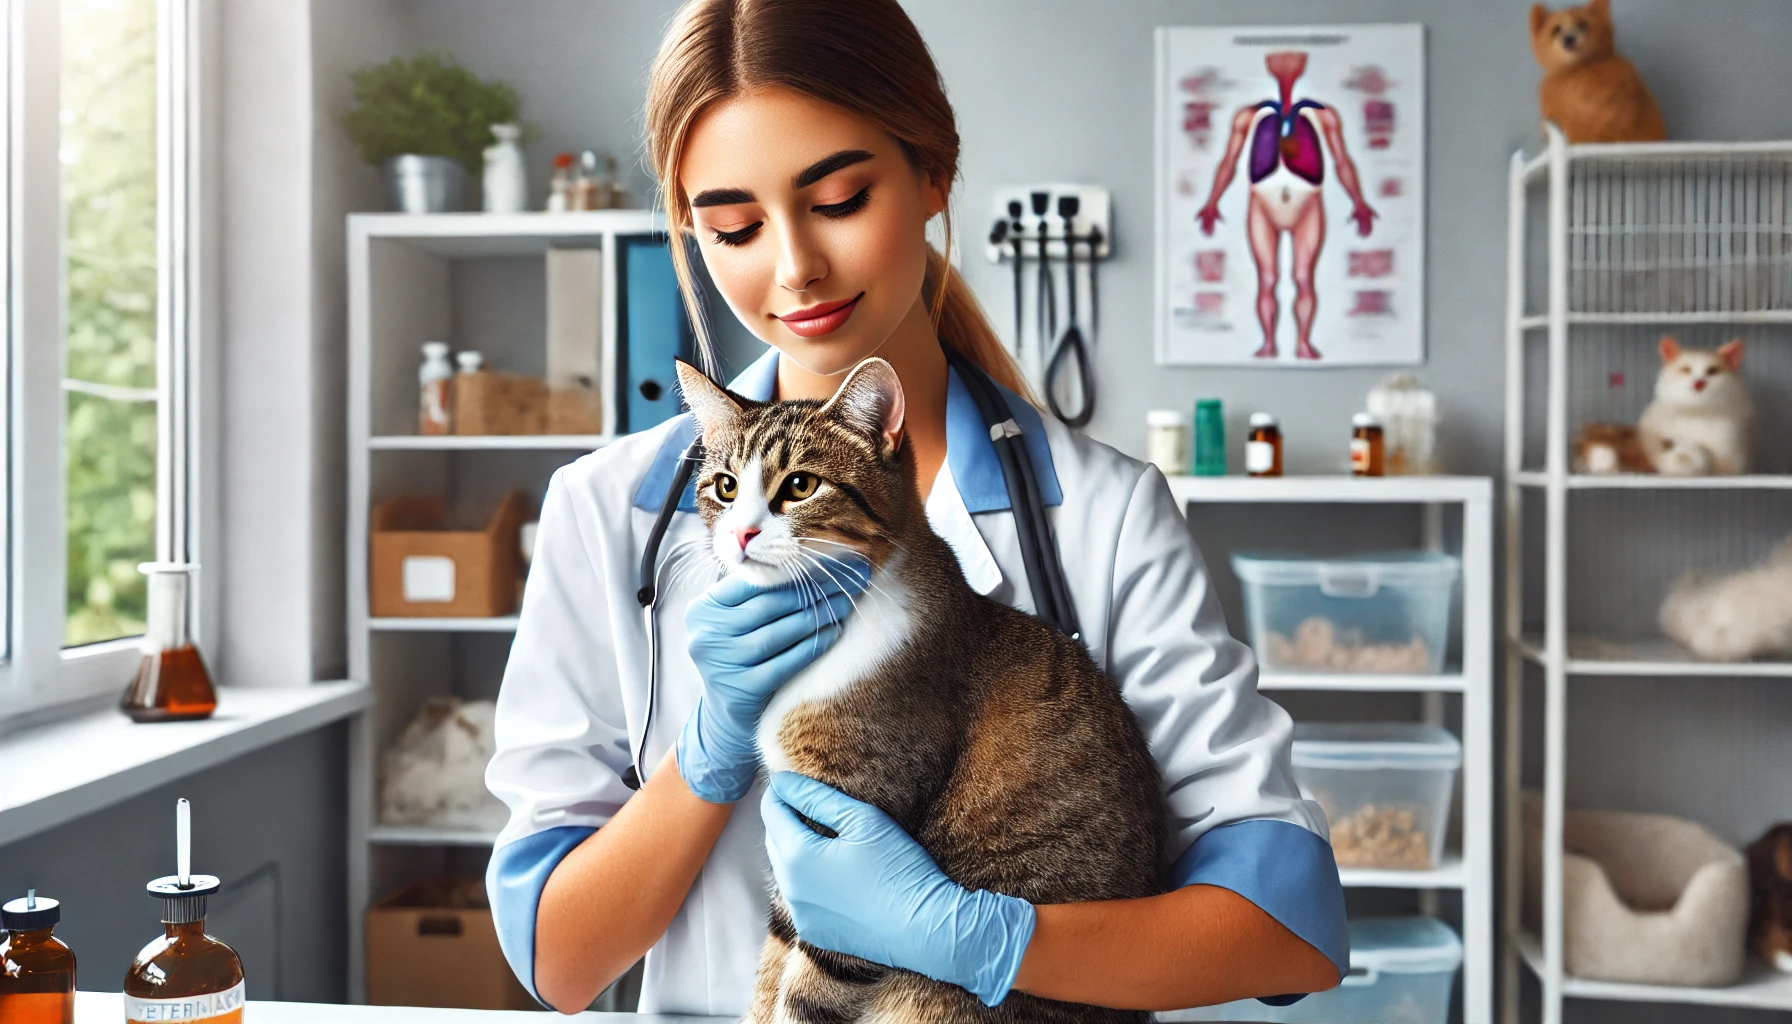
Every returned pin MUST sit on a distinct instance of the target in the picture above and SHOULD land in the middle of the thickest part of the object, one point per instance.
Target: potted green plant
(425, 122)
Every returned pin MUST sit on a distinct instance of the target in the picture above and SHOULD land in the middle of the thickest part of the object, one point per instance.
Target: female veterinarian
(805, 144)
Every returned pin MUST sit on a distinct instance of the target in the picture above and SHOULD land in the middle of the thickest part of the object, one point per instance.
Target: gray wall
(269, 824)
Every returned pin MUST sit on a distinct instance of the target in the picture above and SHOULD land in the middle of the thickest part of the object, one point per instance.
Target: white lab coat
(575, 689)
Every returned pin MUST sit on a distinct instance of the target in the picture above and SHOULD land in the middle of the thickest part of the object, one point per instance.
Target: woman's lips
(819, 320)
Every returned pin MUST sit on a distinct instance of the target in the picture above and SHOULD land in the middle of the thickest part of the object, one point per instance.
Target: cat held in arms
(991, 738)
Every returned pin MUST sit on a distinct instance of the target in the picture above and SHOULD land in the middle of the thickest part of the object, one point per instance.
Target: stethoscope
(1038, 552)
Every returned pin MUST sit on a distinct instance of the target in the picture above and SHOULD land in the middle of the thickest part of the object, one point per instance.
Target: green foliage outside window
(109, 203)
(426, 105)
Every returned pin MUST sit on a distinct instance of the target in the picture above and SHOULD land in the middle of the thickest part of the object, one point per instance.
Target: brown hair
(864, 56)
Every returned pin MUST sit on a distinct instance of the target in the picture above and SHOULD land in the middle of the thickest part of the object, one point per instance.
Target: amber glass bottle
(184, 974)
(1263, 450)
(1366, 445)
(37, 970)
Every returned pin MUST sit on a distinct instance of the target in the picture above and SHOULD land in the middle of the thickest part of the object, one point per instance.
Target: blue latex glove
(747, 641)
(875, 893)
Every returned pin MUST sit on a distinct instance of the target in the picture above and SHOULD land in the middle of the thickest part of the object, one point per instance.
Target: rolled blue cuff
(717, 779)
(514, 878)
(1287, 871)
(1007, 922)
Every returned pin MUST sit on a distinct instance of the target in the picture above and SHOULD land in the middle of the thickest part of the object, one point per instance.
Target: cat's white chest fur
(879, 624)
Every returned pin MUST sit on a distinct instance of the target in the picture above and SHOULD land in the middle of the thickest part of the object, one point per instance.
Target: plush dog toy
(1590, 92)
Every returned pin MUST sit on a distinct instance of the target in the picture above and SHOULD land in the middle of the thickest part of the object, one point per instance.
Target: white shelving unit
(1468, 869)
(413, 278)
(1635, 239)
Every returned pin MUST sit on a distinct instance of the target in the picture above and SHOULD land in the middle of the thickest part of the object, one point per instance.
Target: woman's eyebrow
(828, 165)
(723, 197)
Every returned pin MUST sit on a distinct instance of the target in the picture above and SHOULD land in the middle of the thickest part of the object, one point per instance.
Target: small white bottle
(433, 410)
(1166, 440)
(506, 179)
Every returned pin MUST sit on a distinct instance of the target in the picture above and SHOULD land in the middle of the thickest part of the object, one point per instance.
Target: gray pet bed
(1647, 898)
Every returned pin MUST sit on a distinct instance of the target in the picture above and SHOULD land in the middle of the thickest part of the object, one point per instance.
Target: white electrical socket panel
(1094, 212)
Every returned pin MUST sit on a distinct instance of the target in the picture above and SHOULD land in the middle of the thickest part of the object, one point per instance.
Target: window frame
(40, 676)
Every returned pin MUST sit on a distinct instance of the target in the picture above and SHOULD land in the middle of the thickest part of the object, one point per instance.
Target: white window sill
(59, 771)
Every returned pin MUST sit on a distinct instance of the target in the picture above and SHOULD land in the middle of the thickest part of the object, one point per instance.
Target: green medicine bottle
(1210, 438)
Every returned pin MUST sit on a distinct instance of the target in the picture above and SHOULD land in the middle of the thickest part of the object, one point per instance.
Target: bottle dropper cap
(183, 893)
(1363, 419)
(30, 913)
(1263, 419)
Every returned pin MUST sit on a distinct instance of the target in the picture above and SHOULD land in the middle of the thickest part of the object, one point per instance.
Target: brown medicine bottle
(37, 970)
(1366, 445)
(1263, 448)
(184, 974)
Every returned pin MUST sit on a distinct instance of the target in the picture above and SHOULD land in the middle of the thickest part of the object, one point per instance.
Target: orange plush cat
(1590, 92)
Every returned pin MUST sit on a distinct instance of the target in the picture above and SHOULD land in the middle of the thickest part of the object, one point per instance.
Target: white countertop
(108, 1008)
(64, 769)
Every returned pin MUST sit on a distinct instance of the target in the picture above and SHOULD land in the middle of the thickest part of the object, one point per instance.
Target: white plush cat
(1701, 421)
(1735, 617)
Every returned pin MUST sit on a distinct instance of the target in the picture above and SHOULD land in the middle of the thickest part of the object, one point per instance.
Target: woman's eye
(798, 486)
(726, 487)
(848, 207)
(738, 236)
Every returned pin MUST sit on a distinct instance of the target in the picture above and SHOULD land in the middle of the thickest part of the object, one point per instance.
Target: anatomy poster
(1291, 196)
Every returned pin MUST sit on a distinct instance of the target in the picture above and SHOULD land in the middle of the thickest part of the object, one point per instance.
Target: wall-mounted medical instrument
(1061, 229)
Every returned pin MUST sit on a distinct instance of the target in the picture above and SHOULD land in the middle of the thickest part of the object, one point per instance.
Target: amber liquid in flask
(184, 974)
(171, 683)
(37, 970)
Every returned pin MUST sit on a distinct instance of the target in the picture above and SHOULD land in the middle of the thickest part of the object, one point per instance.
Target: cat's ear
(870, 401)
(1538, 16)
(1670, 349)
(713, 406)
(1731, 353)
(1603, 8)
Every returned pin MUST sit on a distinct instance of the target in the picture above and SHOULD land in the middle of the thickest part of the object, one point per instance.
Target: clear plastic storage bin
(1386, 614)
(1402, 971)
(1385, 788)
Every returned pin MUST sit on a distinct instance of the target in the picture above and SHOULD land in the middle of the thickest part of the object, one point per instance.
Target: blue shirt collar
(976, 469)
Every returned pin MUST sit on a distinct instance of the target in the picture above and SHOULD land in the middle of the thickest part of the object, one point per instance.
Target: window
(108, 156)
(99, 172)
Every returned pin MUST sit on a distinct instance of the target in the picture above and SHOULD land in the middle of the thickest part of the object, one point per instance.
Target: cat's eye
(727, 488)
(798, 486)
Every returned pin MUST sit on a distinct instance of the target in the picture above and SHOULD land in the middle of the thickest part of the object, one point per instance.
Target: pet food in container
(1385, 788)
(1402, 971)
(1386, 614)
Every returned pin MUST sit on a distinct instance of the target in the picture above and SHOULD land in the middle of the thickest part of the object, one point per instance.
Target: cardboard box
(418, 567)
(487, 403)
(433, 944)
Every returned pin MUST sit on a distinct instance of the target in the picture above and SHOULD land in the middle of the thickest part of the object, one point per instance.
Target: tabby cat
(991, 738)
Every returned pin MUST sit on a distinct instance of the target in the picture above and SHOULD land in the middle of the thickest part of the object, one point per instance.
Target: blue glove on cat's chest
(747, 641)
(874, 893)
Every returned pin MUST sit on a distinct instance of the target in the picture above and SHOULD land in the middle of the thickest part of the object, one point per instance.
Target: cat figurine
(1770, 897)
(992, 739)
(1701, 422)
(1734, 617)
(1588, 91)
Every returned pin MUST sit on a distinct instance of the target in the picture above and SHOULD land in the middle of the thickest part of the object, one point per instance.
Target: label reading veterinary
(224, 1007)
(1359, 455)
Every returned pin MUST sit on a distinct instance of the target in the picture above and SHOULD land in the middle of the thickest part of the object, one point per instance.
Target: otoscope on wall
(1068, 230)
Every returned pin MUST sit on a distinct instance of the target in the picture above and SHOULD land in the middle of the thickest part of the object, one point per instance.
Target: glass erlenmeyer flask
(171, 682)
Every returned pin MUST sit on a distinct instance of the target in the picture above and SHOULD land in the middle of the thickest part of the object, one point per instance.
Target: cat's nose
(1697, 385)
(744, 534)
(1570, 41)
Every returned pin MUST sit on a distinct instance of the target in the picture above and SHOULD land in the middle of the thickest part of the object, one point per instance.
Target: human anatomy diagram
(1286, 163)
(1291, 196)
